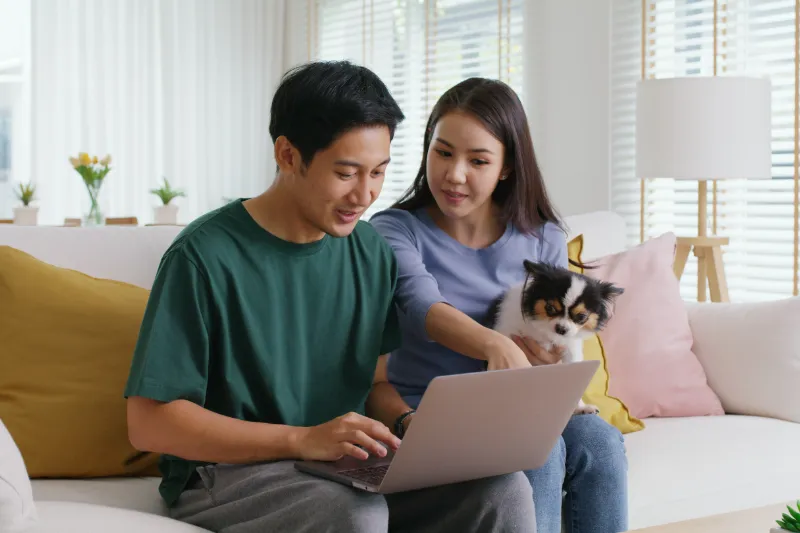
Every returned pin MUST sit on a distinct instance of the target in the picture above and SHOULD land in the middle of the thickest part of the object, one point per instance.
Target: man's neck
(277, 212)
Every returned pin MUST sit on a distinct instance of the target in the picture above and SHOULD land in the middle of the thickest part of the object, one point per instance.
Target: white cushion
(751, 355)
(71, 517)
(17, 510)
(135, 493)
(130, 254)
(683, 468)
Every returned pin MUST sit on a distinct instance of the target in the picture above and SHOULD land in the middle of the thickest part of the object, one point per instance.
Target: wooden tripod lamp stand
(704, 128)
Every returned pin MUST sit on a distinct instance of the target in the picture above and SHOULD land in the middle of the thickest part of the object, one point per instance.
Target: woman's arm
(429, 312)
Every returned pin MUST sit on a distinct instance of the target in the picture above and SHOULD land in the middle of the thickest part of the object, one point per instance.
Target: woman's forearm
(457, 331)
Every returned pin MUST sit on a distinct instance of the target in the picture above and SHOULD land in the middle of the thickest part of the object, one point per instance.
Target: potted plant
(790, 521)
(93, 172)
(25, 215)
(167, 212)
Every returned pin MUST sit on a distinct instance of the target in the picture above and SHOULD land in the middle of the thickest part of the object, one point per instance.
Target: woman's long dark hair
(522, 196)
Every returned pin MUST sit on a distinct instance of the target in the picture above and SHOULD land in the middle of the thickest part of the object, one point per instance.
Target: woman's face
(463, 166)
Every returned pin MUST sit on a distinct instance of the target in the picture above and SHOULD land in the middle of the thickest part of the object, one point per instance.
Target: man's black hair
(318, 101)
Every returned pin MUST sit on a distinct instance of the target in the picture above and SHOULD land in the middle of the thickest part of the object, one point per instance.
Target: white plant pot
(26, 215)
(165, 214)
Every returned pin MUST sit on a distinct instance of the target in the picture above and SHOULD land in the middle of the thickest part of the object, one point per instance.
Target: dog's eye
(580, 318)
(550, 309)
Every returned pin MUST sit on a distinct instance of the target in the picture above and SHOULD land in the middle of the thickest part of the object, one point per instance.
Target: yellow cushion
(67, 343)
(612, 410)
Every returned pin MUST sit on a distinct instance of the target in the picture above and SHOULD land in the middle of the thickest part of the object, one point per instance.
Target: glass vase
(95, 216)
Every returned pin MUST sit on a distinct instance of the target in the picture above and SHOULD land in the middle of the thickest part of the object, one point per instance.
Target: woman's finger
(529, 353)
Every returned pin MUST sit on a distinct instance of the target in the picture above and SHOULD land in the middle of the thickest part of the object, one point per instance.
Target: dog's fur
(555, 307)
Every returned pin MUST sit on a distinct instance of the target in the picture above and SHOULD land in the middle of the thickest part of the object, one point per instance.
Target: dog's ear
(535, 269)
(610, 291)
(540, 270)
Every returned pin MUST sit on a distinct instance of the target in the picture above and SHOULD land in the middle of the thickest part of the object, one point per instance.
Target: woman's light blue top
(434, 267)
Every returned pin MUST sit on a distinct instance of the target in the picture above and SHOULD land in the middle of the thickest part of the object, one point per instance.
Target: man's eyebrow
(475, 150)
(348, 163)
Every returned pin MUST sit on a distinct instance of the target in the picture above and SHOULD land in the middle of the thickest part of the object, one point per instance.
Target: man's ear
(287, 156)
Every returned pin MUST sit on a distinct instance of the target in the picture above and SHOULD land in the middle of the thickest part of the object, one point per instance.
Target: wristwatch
(399, 428)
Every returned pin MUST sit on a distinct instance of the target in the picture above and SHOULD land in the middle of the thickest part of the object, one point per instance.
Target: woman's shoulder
(393, 221)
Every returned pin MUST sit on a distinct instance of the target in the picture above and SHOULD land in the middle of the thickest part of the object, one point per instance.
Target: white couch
(680, 468)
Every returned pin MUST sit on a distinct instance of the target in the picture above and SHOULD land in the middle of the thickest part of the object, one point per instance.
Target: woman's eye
(480, 162)
(443, 153)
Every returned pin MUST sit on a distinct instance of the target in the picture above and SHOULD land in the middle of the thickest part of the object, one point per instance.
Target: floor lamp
(704, 128)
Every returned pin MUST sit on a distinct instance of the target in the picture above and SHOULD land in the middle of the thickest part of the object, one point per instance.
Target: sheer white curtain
(169, 88)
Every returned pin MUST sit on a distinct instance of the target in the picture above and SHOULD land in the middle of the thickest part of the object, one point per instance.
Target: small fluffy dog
(555, 307)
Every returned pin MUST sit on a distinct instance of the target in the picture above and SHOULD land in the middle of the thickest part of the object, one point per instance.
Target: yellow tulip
(84, 158)
(94, 160)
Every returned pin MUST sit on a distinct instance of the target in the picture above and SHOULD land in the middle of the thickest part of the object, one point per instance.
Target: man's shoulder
(205, 233)
(367, 235)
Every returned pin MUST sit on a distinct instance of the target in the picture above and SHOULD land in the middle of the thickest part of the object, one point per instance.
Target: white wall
(567, 98)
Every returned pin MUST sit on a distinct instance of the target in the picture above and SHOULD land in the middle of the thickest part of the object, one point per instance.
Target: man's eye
(345, 175)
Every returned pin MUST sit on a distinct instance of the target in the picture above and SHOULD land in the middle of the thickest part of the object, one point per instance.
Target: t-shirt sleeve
(171, 357)
(554, 246)
(417, 289)
(391, 337)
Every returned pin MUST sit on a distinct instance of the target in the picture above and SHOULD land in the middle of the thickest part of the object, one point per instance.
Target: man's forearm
(187, 430)
(385, 404)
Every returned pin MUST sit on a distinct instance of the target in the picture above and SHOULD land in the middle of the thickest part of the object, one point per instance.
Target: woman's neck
(479, 229)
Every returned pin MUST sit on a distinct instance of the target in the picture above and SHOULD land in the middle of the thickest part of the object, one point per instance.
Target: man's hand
(503, 353)
(342, 436)
(537, 355)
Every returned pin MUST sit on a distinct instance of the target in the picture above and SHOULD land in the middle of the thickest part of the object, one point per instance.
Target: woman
(477, 207)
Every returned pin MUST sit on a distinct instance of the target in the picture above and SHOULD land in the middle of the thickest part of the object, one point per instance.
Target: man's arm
(187, 430)
(384, 403)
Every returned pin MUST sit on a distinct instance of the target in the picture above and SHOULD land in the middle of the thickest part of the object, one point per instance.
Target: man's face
(343, 180)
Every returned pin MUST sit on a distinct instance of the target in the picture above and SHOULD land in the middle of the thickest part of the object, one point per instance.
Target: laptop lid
(470, 426)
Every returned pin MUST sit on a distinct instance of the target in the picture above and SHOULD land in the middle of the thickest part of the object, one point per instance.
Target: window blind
(671, 38)
(419, 48)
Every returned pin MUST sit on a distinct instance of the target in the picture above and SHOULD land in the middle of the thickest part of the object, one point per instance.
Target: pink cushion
(648, 341)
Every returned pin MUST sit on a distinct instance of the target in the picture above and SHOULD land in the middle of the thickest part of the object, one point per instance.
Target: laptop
(471, 426)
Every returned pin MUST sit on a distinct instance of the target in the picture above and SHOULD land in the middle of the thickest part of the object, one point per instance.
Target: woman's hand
(503, 353)
(537, 355)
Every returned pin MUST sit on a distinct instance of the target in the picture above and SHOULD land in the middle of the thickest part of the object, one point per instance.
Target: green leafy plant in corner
(166, 193)
(25, 193)
(791, 521)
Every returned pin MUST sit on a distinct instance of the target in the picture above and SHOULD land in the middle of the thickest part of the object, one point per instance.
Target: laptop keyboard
(370, 474)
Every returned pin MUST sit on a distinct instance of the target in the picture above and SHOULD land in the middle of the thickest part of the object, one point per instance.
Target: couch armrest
(751, 355)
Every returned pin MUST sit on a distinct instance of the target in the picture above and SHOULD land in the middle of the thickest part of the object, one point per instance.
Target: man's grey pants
(274, 497)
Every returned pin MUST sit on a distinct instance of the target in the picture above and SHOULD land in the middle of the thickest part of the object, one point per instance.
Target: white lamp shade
(703, 128)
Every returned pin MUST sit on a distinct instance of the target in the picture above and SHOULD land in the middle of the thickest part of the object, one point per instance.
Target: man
(262, 339)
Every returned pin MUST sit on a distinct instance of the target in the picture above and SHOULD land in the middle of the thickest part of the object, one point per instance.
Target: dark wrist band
(399, 430)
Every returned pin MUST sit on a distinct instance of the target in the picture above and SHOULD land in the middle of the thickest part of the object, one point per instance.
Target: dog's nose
(561, 330)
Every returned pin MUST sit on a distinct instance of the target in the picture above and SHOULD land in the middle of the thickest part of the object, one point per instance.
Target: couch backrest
(132, 254)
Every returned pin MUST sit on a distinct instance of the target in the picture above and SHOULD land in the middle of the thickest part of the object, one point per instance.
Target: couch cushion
(70, 517)
(129, 254)
(612, 410)
(68, 339)
(682, 468)
(17, 509)
(136, 493)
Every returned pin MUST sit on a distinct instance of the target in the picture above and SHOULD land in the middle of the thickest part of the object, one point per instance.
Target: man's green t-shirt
(261, 329)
